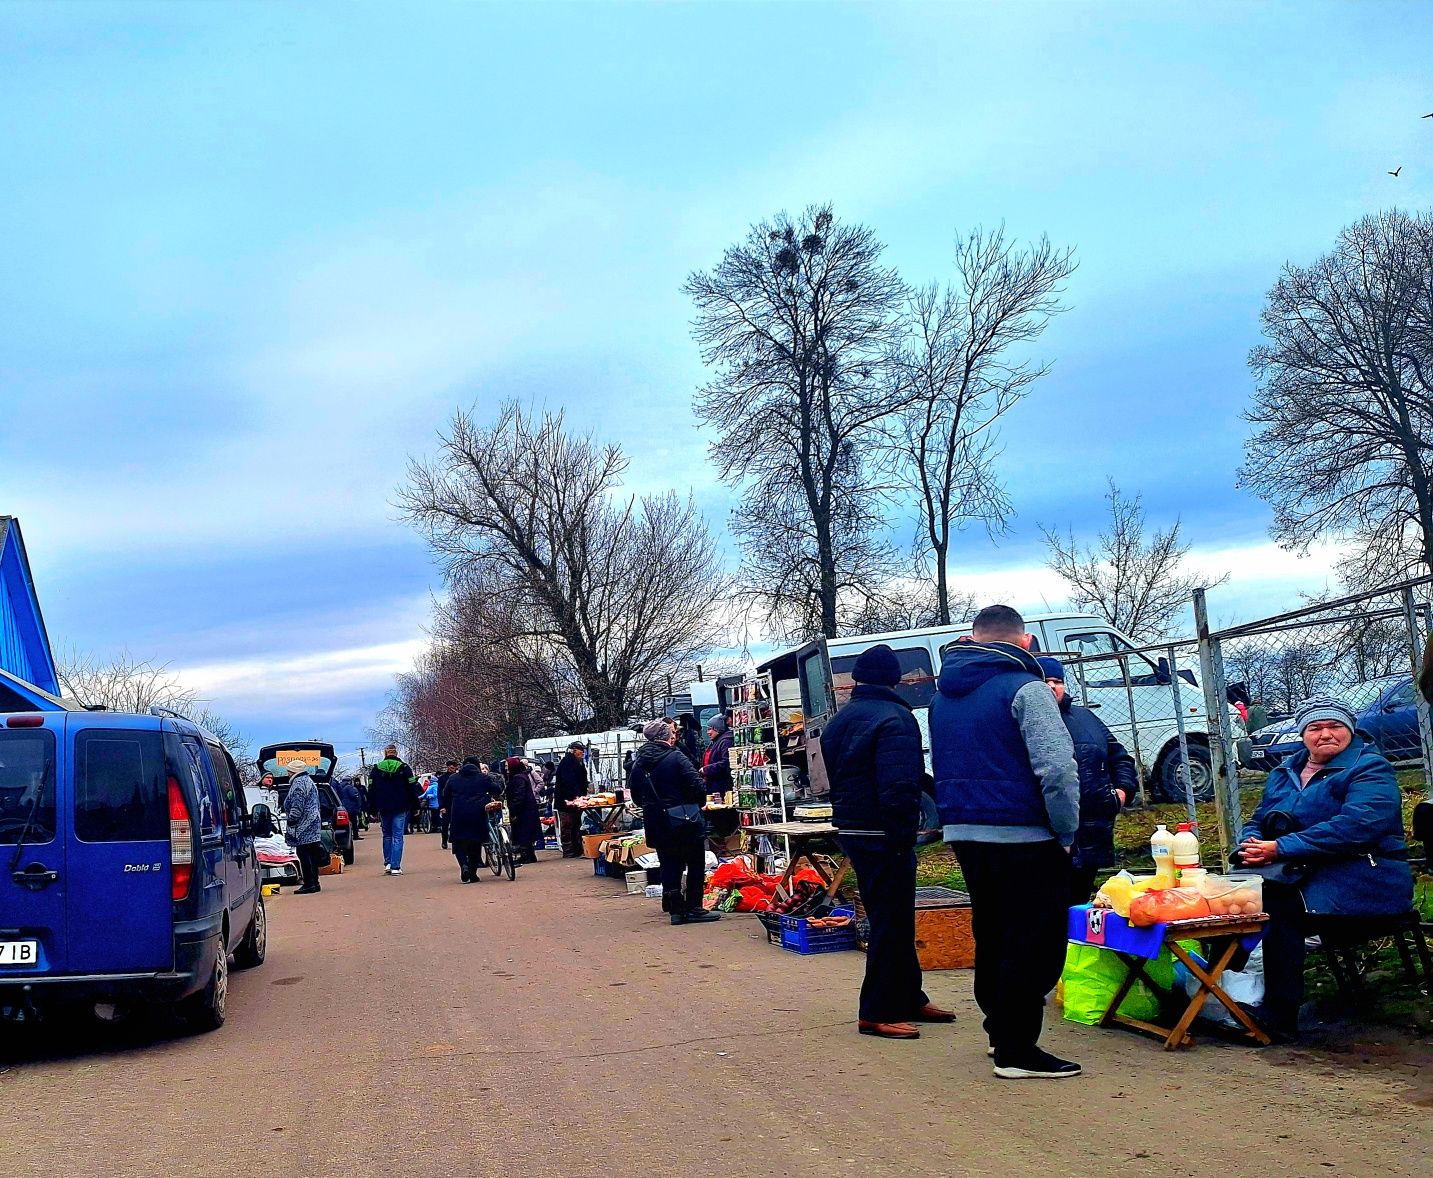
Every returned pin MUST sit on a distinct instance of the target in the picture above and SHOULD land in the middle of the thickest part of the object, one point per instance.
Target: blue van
(129, 869)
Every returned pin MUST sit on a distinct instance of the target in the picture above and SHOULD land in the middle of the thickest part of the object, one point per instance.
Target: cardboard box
(335, 866)
(624, 855)
(944, 939)
(592, 844)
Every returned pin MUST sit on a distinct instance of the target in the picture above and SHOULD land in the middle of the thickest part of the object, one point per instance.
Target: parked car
(338, 823)
(132, 876)
(1387, 716)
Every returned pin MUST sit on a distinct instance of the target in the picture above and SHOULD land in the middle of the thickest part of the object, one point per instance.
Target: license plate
(19, 952)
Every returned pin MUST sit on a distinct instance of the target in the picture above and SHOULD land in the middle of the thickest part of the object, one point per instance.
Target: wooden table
(608, 816)
(801, 835)
(1224, 935)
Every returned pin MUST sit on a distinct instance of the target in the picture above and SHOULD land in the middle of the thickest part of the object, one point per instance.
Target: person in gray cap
(716, 764)
(670, 791)
(1327, 836)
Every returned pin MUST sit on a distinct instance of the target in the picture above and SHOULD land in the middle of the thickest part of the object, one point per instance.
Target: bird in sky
(1428, 116)
(1395, 174)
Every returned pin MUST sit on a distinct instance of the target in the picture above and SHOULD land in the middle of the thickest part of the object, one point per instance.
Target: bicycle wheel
(495, 855)
(509, 857)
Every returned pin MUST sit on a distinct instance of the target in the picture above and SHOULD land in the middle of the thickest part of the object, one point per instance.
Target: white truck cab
(1140, 713)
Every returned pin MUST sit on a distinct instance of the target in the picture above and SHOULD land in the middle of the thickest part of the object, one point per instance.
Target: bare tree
(1134, 581)
(616, 588)
(798, 321)
(961, 375)
(1344, 407)
(908, 603)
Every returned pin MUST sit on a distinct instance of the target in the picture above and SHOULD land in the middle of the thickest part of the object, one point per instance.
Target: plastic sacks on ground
(736, 887)
(1092, 977)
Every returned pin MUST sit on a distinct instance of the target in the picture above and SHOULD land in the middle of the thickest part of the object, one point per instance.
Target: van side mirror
(1161, 671)
(261, 822)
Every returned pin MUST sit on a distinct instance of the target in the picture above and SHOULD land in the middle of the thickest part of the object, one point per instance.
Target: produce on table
(1157, 907)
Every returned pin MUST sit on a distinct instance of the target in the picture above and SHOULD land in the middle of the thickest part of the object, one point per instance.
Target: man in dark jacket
(1108, 779)
(571, 784)
(392, 793)
(1009, 796)
(444, 777)
(716, 765)
(351, 796)
(469, 791)
(670, 791)
(872, 750)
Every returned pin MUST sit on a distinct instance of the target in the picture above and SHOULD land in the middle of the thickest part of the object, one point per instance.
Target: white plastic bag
(1244, 986)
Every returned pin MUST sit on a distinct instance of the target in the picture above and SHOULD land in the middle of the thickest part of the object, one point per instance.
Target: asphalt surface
(557, 1026)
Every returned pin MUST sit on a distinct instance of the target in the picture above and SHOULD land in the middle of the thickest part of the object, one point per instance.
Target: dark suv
(338, 824)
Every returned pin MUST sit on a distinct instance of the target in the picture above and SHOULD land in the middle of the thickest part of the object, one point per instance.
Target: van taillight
(24, 721)
(340, 817)
(181, 842)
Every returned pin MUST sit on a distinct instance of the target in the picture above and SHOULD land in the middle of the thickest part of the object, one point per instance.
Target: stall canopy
(24, 646)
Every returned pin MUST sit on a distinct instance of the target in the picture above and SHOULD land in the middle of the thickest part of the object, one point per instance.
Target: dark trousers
(1019, 916)
(468, 854)
(312, 856)
(892, 990)
(568, 822)
(443, 826)
(1082, 885)
(683, 850)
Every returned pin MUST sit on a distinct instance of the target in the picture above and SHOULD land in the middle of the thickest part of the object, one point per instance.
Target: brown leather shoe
(931, 1013)
(888, 1030)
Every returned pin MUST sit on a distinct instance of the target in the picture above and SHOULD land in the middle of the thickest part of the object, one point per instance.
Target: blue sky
(256, 254)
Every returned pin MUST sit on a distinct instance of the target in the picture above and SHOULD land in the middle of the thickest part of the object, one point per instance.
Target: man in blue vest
(1009, 797)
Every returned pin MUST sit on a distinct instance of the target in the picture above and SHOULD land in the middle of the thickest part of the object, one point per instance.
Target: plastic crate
(798, 936)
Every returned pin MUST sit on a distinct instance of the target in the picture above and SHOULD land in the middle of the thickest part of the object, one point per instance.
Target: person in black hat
(572, 784)
(874, 762)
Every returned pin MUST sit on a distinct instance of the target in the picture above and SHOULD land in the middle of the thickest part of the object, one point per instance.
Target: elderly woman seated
(1328, 838)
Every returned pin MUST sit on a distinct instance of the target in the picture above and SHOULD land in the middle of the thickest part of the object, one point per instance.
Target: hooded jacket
(392, 787)
(1345, 832)
(1003, 760)
(661, 777)
(469, 792)
(874, 762)
(1104, 766)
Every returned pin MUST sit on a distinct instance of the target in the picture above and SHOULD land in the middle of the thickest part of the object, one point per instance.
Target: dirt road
(556, 1026)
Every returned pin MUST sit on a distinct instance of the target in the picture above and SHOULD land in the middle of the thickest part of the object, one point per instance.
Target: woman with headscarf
(522, 811)
(1327, 836)
(470, 790)
(304, 830)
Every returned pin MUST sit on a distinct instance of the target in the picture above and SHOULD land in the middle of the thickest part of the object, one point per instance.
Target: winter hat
(1053, 668)
(515, 765)
(717, 723)
(297, 766)
(658, 730)
(472, 761)
(877, 665)
(1324, 707)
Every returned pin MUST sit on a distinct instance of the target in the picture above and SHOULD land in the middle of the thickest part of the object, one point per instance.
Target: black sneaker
(1035, 1065)
(701, 916)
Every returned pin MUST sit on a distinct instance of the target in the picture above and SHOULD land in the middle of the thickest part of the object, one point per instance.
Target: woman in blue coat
(1328, 837)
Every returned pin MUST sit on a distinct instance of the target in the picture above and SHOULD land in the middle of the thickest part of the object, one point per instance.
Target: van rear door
(32, 846)
(119, 912)
(818, 702)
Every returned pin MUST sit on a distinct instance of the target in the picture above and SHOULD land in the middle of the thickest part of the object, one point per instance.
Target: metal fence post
(1133, 728)
(1411, 611)
(1221, 736)
(1183, 740)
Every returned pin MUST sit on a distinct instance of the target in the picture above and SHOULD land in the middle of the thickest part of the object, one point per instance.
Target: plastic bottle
(1186, 848)
(1161, 849)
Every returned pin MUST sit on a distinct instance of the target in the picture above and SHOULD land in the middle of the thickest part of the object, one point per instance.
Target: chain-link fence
(1362, 649)
(1203, 716)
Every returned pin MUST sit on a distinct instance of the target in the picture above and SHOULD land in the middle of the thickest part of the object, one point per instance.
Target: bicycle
(498, 850)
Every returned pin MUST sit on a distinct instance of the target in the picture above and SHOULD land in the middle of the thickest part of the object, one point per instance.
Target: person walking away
(716, 764)
(571, 784)
(875, 762)
(392, 793)
(1108, 779)
(352, 798)
(449, 769)
(470, 790)
(431, 802)
(304, 826)
(1009, 797)
(670, 791)
(522, 811)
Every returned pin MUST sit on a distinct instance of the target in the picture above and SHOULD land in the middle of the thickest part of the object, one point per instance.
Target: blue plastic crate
(798, 936)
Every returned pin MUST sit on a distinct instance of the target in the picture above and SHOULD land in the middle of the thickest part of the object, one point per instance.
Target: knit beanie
(877, 665)
(658, 730)
(1325, 707)
(717, 723)
(1053, 668)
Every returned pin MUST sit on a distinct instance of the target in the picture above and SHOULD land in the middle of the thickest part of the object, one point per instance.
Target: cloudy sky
(255, 254)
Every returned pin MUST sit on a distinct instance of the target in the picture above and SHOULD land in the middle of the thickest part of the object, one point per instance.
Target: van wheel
(255, 945)
(204, 1011)
(348, 855)
(1201, 774)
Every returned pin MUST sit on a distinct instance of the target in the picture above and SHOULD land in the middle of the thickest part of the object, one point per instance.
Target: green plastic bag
(1092, 976)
